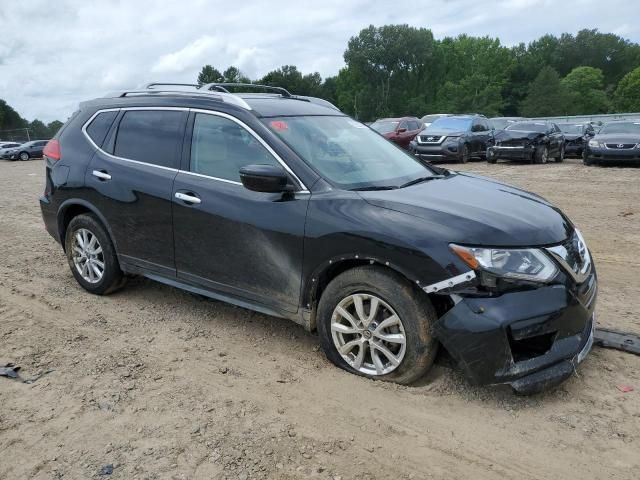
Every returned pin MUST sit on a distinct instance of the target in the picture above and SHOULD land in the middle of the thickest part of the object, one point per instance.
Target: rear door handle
(101, 175)
(188, 198)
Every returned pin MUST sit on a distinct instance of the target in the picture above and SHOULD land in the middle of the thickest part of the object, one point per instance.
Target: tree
(545, 96)
(234, 75)
(290, 78)
(627, 96)
(38, 129)
(584, 88)
(208, 74)
(53, 128)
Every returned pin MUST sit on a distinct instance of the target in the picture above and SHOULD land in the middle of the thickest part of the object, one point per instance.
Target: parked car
(288, 207)
(399, 130)
(500, 123)
(616, 142)
(432, 117)
(534, 140)
(456, 138)
(32, 149)
(6, 146)
(576, 136)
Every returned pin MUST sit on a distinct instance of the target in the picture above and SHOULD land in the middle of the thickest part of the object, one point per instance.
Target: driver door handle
(188, 198)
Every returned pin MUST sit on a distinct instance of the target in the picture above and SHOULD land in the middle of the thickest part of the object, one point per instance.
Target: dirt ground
(160, 384)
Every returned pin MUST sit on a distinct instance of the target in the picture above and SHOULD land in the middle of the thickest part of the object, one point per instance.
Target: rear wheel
(541, 155)
(91, 256)
(374, 323)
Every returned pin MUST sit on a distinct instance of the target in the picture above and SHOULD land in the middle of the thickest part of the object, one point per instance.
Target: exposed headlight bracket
(451, 282)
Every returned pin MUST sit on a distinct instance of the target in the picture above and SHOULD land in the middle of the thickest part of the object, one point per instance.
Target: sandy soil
(161, 384)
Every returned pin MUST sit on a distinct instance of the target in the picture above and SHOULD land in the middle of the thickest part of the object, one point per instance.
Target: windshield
(346, 152)
(528, 127)
(501, 123)
(430, 118)
(451, 123)
(622, 127)
(385, 126)
(571, 128)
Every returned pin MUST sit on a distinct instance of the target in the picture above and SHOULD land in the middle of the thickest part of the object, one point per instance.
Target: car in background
(6, 146)
(500, 123)
(432, 117)
(456, 138)
(32, 149)
(617, 141)
(535, 141)
(576, 136)
(399, 130)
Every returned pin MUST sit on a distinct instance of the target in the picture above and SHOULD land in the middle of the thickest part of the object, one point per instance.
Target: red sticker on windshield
(279, 125)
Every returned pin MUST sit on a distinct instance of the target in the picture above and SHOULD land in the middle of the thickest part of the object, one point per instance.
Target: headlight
(524, 264)
(594, 143)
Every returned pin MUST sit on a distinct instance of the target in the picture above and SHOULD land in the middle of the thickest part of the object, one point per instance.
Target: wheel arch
(72, 208)
(315, 283)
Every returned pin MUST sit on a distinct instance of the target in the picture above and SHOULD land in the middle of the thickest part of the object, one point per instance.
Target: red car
(399, 130)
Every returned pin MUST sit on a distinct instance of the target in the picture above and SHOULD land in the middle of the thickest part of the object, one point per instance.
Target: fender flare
(92, 208)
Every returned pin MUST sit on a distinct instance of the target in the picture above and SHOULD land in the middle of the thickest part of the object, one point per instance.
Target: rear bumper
(50, 218)
(531, 340)
(511, 153)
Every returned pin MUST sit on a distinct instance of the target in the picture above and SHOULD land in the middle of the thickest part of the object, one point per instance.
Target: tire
(585, 159)
(541, 155)
(24, 156)
(491, 157)
(87, 227)
(560, 157)
(464, 154)
(412, 307)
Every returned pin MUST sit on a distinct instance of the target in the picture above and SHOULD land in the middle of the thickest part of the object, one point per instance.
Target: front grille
(574, 256)
(620, 146)
(511, 143)
(429, 138)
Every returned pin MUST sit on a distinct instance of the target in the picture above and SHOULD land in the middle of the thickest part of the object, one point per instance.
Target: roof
(269, 105)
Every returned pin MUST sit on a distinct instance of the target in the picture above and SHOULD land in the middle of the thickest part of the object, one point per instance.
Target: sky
(55, 54)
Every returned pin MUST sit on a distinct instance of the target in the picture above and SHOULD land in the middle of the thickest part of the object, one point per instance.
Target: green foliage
(545, 96)
(584, 88)
(627, 96)
(208, 74)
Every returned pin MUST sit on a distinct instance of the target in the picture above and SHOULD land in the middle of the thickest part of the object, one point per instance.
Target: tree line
(14, 127)
(397, 70)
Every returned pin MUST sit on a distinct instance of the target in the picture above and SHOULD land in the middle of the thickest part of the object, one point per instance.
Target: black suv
(456, 138)
(284, 205)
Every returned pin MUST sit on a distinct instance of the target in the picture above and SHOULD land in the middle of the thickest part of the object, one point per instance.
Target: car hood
(469, 209)
(617, 138)
(503, 135)
(441, 133)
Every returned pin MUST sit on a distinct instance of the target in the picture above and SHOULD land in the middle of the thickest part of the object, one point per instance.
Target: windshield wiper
(373, 187)
(420, 180)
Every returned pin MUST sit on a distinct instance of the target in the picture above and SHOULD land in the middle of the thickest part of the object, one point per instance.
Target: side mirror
(401, 130)
(265, 178)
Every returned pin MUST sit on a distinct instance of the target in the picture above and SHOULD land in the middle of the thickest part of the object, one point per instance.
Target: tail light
(52, 150)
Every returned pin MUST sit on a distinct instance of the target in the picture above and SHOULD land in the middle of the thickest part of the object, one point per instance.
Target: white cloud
(78, 50)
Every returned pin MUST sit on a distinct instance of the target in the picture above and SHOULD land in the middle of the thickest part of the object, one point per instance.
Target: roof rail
(222, 86)
(150, 89)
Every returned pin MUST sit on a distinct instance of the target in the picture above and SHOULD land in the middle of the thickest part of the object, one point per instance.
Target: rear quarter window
(150, 136)
(100, 125)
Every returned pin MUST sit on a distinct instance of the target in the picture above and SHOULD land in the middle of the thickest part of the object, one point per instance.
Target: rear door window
(150, 136)
(220, 148)
(100, 125)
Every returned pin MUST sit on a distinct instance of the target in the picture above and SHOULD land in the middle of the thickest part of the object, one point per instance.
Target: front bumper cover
(599, 154)
(529, 339)
(511, 153)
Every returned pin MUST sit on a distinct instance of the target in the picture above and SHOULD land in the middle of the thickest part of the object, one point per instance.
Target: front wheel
(91, 256)
(374, 323)
(541, 155)
(464, 154)
(24, 156)
(560, 157)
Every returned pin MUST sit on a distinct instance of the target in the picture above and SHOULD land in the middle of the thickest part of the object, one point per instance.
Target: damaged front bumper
(530, 339)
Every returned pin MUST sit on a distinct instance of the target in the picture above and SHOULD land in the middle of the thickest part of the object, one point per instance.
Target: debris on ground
(627, 342)
(625, 388)
(10, 371)
(106, 470)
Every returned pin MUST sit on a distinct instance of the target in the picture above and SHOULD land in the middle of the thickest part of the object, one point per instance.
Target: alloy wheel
(24, 156)
(368, 334)
(87, 255)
